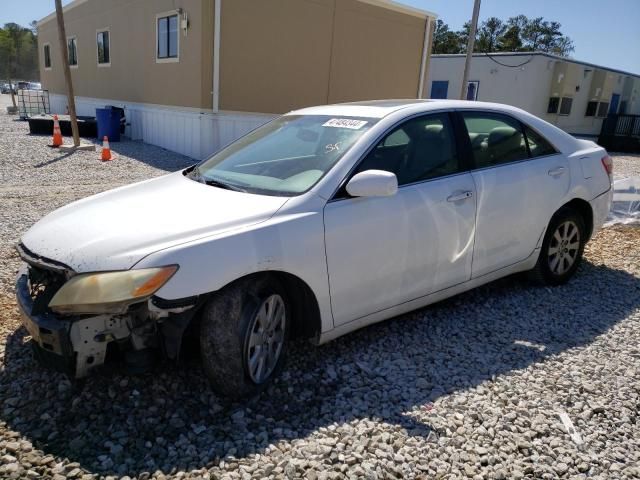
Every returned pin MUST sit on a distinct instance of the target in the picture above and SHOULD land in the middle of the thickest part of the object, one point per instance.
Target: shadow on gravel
(54, 160)
(170, 420)
(152, 155)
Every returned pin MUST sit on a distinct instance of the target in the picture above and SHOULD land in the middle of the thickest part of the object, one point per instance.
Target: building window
(439, 88)
(603, 108)
(472, 90)
(592, 107)
(104, 48)
(554, 103)
(623, 107)
(72, 50)
(167, 37)
(47, 56)
(565, 105)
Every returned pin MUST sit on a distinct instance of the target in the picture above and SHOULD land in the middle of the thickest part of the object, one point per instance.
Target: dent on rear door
(515, 203)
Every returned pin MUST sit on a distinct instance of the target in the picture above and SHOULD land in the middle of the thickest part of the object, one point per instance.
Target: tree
(490, 35)
(18, 54)
(517, 34)
(445, 40)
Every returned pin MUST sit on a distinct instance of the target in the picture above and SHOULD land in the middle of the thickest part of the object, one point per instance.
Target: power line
(509, 66)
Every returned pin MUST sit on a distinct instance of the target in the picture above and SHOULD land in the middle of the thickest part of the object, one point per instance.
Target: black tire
(543, 273)
(225, 332)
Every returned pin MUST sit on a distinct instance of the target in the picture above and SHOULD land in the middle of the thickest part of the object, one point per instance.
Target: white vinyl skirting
(184, 130)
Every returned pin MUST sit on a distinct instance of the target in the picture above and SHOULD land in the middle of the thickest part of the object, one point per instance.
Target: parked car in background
(6, 88)
(320, 222)
(35, 86)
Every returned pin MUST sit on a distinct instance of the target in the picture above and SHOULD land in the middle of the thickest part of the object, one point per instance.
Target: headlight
(110, 292)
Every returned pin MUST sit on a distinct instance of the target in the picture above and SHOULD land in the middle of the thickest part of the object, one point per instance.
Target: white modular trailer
(570, 94)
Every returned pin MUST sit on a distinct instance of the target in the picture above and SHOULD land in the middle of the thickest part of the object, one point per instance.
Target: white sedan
(320, 222)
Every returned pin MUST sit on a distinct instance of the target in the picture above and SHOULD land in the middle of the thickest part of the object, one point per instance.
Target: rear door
(520, 179)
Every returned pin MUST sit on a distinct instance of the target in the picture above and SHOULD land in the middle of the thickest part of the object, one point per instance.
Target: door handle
(555, 172)
(456, 197)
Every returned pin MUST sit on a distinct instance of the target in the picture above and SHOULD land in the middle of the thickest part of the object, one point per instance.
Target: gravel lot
(470, 388)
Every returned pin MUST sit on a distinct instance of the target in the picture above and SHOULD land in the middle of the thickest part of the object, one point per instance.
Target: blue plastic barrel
(108, 120)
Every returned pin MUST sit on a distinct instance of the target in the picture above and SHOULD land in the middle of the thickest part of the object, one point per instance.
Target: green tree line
(18, 52)
(517, 34)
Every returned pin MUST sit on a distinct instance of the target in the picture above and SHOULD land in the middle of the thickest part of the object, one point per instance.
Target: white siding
(525, 86)
(186, 131)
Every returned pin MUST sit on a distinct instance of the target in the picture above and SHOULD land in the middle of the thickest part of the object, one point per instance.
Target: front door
(613, 106)
(439, 89)
(388, 250)
(520, 180)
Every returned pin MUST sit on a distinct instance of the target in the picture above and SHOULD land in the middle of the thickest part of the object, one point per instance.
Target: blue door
(613, 106)
(439, 88)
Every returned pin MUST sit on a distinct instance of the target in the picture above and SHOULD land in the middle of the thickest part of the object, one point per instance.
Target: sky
(606, 32)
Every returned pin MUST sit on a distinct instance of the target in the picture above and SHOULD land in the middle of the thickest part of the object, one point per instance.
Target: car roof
(382, 108)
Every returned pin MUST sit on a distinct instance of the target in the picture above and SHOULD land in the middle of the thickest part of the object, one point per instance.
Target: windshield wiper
(219, 184)
(195, 174)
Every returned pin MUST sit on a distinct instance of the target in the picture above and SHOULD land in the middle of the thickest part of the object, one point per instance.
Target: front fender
(291, 243)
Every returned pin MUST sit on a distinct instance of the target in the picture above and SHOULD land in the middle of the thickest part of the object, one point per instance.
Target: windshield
(284, 157)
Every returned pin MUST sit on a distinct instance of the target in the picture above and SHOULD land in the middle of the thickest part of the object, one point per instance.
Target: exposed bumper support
(76, 345)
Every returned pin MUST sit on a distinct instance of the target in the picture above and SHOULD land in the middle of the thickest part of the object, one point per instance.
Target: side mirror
(373, 183)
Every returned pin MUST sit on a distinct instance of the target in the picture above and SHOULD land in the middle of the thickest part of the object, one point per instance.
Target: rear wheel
(562, 249)
(243, 336)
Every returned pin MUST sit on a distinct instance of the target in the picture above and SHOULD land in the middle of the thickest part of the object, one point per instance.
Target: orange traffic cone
(57, 135)
(106, 150)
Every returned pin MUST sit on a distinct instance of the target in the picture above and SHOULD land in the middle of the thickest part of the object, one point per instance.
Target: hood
(115, 229)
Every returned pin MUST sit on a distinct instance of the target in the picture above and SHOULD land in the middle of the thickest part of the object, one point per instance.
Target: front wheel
(243, 336)
(562, 249)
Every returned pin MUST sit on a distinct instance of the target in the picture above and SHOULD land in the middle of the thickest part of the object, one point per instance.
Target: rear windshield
(287, 156)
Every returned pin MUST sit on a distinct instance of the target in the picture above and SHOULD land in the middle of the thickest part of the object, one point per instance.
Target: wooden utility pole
(67, 74)
(470, 43)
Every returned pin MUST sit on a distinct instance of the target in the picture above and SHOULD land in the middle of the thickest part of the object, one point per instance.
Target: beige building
(193, 75)
(576, 96)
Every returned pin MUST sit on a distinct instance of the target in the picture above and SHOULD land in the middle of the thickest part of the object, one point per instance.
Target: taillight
(607, 163)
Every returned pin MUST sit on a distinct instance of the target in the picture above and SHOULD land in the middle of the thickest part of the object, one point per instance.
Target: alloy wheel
(266, 338)
(564, 247)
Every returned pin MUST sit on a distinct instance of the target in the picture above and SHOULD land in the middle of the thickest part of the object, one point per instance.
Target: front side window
(554, 103)
(495, 139)
(287, 156)
(104, 50)
(167, 37)
(72, 50)
(47, 56)
(420, 149)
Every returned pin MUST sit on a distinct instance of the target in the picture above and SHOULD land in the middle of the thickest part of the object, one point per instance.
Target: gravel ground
(473, 387)
(625, 165)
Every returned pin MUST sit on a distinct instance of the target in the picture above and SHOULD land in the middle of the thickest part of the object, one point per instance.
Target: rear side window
(495, 139)
(538, 145)
(422, 148)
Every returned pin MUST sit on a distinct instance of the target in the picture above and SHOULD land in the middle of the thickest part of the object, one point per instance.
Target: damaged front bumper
(76, 344)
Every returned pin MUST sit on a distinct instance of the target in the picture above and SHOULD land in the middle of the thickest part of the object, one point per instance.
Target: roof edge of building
(541, 54)
(398, 7)
(388, 4)
(66, 8)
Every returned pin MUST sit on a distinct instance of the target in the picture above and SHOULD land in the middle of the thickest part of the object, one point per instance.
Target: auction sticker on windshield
(345, 123)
